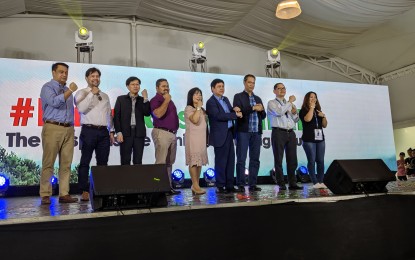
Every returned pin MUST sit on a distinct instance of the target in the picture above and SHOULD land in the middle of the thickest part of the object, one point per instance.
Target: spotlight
(199, 51)
(83, 33)
(177, 177)
(209, 176)
(273, 63)
(274, 56)
(201, 45)
(54, 181)
(302, 174)
(198, 57)
(83, 36)
(83, 43)
(4, 183)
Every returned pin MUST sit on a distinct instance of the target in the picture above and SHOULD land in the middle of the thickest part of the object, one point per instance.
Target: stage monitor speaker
(128, 186)
(357, 176)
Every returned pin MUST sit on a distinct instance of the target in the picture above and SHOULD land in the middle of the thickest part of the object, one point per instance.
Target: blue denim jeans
(315, 155)
(253, 142)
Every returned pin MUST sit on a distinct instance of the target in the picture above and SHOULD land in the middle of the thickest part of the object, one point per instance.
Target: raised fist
(73, 87)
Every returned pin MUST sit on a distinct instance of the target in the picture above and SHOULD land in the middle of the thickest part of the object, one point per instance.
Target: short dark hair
(276, 85)
(248, 76)
(190, 95)
(131, 79)
(92, 70)
(55, 65)
(158, 82)
(216, 81)
(402, 153)
(409, 149)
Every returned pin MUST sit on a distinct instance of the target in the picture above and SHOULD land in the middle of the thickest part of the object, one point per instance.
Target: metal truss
(340, 66)
(397, 73)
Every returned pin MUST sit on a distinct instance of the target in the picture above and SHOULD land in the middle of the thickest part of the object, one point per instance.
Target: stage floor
(28, 209)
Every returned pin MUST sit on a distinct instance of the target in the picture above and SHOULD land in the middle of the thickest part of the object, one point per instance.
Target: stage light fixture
(83, 36)
(273, 63)
(302, 174)
(177, 177)
(83, 33)
(288, 9)
(83, 43)
(4, 183)
(199, 51)
(210, 177)
(274, 56)
(54, 181)
(198, 57)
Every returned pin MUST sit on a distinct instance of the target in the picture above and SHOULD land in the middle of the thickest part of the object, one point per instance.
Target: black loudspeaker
(357, 176)
(128, 186)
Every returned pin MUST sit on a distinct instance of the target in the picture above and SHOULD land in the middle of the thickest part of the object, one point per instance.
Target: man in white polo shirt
(97, 133)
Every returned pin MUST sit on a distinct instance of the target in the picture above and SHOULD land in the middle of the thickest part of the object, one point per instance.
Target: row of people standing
(99, 128)
(243, 120)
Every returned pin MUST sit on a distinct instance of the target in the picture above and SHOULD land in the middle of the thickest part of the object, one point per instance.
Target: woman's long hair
(306, 102)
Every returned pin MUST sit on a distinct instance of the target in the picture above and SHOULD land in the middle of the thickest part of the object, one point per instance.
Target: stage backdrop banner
(359, 115)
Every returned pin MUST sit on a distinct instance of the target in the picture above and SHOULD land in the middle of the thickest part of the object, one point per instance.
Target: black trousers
(92, 140)
(284, 141)
(134, 145)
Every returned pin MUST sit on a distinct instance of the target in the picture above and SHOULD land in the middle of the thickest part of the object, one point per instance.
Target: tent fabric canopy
(356, 30)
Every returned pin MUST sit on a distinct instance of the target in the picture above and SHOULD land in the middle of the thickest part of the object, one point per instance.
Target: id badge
(318, 134)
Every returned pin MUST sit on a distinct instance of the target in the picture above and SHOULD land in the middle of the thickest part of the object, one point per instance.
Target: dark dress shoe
(282, 186)
(254, 188)
(296, 187)
(67, 199)
(45, 200)
(240, 189)
(220, 190)
(173, 192)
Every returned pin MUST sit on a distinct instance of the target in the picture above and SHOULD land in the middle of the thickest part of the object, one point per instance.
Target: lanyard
(315, 115)
(286, 113)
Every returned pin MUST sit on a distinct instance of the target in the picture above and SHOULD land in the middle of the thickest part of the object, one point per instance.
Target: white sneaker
(323, 186)
(317, 186)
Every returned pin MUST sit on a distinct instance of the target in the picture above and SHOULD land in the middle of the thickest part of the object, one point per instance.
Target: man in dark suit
(129, 123)
(221, 116)
(248, 133)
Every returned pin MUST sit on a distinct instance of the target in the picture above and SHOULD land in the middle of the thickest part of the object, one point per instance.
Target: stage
(28, 209)
(303, 224)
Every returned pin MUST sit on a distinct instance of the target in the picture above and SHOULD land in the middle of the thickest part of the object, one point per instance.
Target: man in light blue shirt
(283, 118)
(57, 133)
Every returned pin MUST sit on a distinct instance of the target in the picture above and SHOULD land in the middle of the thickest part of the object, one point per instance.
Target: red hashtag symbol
(22, 112)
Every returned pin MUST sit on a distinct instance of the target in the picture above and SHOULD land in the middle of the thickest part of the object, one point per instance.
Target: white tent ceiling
(375, 34)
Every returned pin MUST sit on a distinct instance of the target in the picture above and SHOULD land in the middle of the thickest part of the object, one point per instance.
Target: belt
(58, 123)
(95, 126)
(283, 129)
(165, 129)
